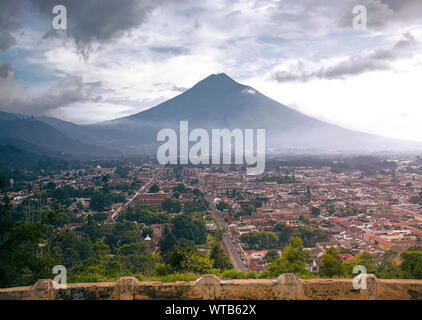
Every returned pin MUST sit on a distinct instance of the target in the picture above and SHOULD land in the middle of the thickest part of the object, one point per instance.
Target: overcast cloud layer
(379, 59)
(120, 57)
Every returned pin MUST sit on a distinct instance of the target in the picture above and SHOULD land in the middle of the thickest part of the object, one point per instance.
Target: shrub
(232, 274)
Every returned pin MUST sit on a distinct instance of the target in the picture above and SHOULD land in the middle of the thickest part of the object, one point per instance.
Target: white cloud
(388, 105)
(183, 42)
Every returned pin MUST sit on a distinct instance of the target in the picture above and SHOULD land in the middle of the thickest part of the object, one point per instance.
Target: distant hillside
(14, 158)
(70, 129)
(12, 116)
(29, 147)
(33, 135)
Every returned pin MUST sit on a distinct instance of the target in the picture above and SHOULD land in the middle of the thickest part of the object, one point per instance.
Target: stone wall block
(207, 287)
(42, 290)
(126, 287)
(289, 287)
(372, 284)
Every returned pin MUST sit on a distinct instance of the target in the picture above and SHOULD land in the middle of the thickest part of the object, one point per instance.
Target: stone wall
(210, 287)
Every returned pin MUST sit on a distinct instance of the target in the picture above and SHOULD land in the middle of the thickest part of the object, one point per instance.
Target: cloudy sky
(118, 58)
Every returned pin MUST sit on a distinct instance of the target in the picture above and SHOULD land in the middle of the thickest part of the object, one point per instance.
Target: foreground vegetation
(31, 244)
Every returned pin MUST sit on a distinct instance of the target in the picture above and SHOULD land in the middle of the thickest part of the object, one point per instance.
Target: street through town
(230, 246)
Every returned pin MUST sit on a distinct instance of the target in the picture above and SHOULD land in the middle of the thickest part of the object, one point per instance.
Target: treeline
(197, 204)
(20, 178)
(385, 267)
(29, 250)
(101, 198)
(281, 235)
(189, 260)
(147, 215)
(279, 179)
(416, 199)
(14, 158)
(183, 231)
(367, 164)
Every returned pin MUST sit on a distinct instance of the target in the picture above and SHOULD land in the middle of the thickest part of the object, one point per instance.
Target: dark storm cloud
(399, 5)
(69, 90)
(100, 20)
(87, 21)
(5, 70)
(366, 62)
(311, 15)
(9, 9)
(383, 13)
(6, 40)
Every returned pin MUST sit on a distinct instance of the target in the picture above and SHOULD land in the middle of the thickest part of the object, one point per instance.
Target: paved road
(231, 248)
(141, 190)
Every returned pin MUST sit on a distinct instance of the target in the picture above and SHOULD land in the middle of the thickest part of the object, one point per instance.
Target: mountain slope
(70, 129)
(220, 102)
(15, 158)
(32, 135)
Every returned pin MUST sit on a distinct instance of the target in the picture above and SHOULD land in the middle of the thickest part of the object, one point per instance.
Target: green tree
(315, 212)
(189, 260)
(293, 260)
(219, 233)
(246, 211)
(221, 206)
(366, 260)
(260, 240)
(80, 206)
(284, 233)
(167, 242)
(30, 255)
(183, 226)
(232, 274)
(122, 172)
(101, 216)
(55, 218)
(271, 255)
(412, 263)
(180, 188)
(60, 194)
(73, 249)
(137, 248)
(388, 269)
(91, 229)
(145, 215)
(100, 249)
(197, 205)
(147, 231)
(122, 232)
(154, 189)
(97, 202)
(331, 264)
(221, 261)
(95, 270)
(171, 206)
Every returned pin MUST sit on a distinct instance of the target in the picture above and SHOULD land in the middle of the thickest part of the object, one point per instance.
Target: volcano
(219, 102)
